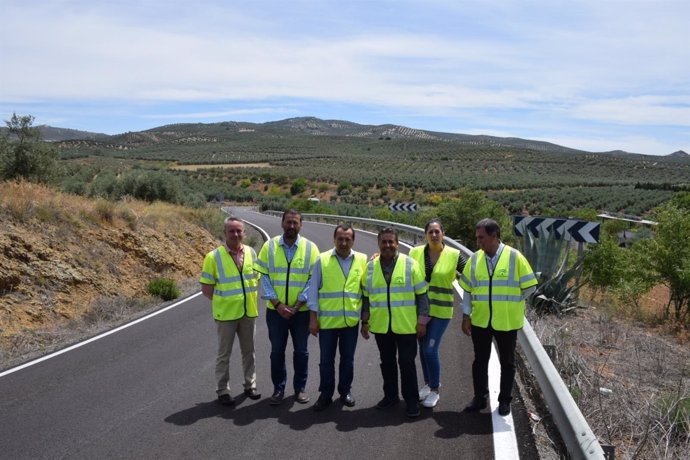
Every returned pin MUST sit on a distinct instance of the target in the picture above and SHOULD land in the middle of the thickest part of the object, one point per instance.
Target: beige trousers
(244, 328)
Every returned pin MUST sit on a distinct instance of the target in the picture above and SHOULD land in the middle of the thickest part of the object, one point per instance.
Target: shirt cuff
(423, 320)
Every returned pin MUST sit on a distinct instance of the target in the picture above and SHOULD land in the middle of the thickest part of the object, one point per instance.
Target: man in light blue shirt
(334, 295)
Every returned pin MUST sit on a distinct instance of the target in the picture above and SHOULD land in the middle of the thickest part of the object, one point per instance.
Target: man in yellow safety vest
(335, 303)
(286, 261)
(395, 309)
(496, 280)
(229, 281)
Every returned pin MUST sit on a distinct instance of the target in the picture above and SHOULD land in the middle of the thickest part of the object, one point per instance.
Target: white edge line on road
(98, 337)
(505, 441)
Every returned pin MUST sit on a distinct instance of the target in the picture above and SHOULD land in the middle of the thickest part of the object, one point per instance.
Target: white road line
(98, 337)
(505, 441)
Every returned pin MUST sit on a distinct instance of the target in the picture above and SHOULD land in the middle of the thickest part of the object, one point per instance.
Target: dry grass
(631, 380)
(70, 265)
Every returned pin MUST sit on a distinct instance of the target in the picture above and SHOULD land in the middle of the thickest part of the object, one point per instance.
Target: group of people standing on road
(406, 302)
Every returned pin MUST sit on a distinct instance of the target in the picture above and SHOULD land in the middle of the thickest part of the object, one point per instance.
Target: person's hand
(421, 330)
(284, 311)
(365, 331)
(466, 325)
(374, 256)
(314, 327)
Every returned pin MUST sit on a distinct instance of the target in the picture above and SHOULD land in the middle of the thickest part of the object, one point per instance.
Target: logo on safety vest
(502, 272)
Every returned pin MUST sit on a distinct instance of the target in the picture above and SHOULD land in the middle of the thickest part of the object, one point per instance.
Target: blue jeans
(345, 339)
(278, 329)
(428, 351)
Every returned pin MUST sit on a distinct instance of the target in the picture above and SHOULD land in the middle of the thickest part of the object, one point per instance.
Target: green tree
(460, 216)
(603, 263)
(668, 257)
(22, 153)
(298, 186)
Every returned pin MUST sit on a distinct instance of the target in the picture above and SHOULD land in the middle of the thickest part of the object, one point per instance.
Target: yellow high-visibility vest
(340, 299)
(498, 298)
(441, 284)
(288, 279)
(235, 293)
(393, 307)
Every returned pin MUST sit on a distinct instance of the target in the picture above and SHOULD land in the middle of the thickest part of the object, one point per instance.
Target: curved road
(147, 391)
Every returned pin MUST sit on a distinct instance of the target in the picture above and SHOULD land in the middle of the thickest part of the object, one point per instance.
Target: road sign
(570, 229)
(402, 206)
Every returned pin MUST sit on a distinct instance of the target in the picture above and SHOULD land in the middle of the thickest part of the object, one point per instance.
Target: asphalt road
(148, 391)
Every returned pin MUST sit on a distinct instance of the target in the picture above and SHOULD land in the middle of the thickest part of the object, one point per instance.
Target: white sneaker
(431, 400)
(424, 392)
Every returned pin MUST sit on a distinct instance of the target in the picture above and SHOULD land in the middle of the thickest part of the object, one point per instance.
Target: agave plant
(549, 257)
(558, 295)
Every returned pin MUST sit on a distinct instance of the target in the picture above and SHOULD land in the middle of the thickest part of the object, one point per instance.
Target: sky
(596, 75)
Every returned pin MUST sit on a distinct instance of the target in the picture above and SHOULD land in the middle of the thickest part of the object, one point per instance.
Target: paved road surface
(147, 391)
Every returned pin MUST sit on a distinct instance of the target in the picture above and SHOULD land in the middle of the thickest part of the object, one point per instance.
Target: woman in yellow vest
(440, 265)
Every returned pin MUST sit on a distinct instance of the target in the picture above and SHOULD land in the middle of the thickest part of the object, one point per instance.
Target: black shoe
(387, 402)
(277, 398)
(503, 409)
(226, 400)
(412, 409)
(251, 393)
(347, 400)
(476, 405)
(322, 404)
(301, 397)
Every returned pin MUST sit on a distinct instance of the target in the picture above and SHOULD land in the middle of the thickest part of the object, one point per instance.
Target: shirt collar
(282, 241)
(498, 252)
(230, 251)
(335, 253)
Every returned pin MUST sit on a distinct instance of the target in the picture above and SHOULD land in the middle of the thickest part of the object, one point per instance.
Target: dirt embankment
(62, 256)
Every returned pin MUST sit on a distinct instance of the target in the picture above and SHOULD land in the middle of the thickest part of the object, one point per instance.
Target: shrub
(105, 210)
(164, 288)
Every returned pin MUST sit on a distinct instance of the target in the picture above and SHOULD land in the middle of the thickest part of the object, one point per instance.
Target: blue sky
(596, 75)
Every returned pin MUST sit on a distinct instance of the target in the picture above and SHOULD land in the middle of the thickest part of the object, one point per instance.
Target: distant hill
(52, 134)
(309, 126)
(304, 126)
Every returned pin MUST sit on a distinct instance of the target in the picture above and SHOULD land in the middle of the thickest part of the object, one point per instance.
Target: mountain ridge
(311, 126)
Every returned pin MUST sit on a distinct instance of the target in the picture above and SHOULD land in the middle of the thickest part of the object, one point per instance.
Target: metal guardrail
(580, 441)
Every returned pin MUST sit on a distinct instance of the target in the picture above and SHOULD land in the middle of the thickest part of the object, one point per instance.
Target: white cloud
(588, 61)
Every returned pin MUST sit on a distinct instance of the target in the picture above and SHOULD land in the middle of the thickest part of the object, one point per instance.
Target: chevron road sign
(570, 229)
(402, 206)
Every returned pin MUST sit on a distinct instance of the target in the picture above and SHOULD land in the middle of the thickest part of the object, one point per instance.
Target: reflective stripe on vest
(392, 308)
(441, 299)
(340, 299)
(235, 294)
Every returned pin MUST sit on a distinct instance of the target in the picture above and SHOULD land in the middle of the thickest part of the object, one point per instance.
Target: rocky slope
(62, 255)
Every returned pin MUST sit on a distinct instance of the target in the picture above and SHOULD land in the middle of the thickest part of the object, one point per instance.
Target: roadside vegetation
(625, 358)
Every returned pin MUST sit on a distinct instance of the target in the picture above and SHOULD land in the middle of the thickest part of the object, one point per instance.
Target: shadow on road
(452, 424)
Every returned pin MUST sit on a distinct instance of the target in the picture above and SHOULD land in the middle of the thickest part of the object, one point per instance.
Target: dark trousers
(345, 340)
(278, 329)
(405, 347)
(505, 343)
